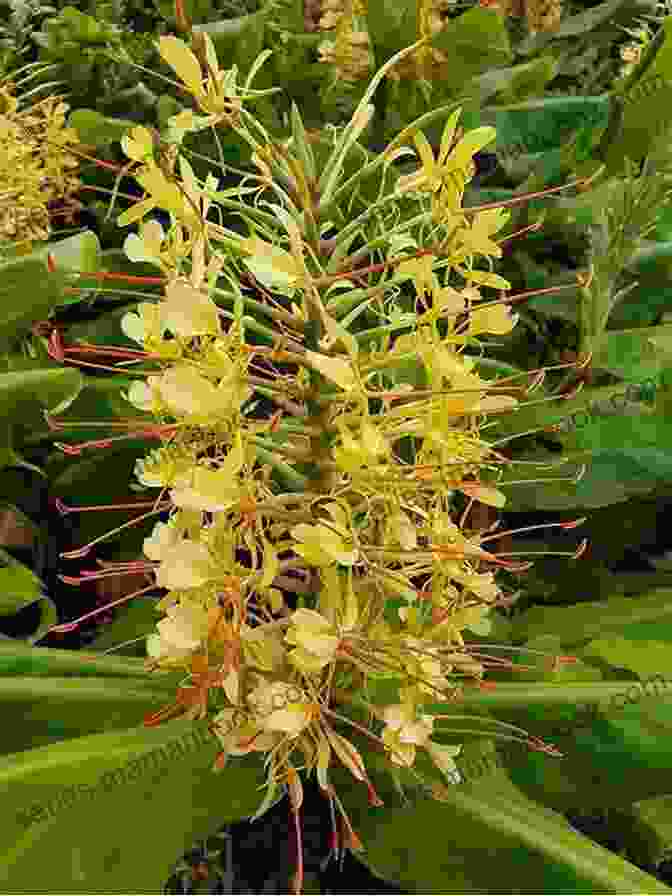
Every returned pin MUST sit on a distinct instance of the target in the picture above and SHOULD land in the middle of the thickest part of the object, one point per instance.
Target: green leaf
(237, 41)
(579, 25)
(473, 42)
(519, 82)
(19, 586)
(634, 354)
(132, 621)
(540, 125)
(486, 836)
(583, 622)
(18, 659)
(644, 658)
(643, 100)
(390, 26)
(24, 393)
(95, 129)
(647, 825)
(80, 253)
(137, 800)
(28, 293)
(41, 710)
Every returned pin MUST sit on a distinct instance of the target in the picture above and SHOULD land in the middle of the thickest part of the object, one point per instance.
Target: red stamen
(55, 348)
(70, 626)
(374, 799)
(108, 275)
(65, 509)
(573, 524)
(92, 574)
(297, 879)
(76, 450)
(78, 553)
(90, 348)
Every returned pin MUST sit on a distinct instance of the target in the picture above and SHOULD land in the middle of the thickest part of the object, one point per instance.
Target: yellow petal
(338, 370)
(485, 278)
(448, 136)
(180, 58)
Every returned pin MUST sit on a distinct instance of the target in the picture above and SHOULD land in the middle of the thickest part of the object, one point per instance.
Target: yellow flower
(496, 319)
(162, 540)
(161, 467)
(146, 325)
(404, 731)
(280, 706)
(452, 169)
(183, 392)
(182, 631)
(315, 639)
(212, 490)
(188, 312)
(369, 450)
(219, 98)
(323, 545)
(187, 565)
(475, 238)
(240, 736)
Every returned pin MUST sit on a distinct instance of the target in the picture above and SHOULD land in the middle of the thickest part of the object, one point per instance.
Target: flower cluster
(36, 167)
(318, 577)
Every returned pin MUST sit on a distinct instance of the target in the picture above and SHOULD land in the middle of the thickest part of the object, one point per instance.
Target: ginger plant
(37, 165)
(313, 554)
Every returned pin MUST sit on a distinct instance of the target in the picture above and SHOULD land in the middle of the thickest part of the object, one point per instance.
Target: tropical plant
(330, 603)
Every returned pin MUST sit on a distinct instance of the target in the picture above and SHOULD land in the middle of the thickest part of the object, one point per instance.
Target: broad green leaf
(28, 293)
(642, 102)
(134, 620)
(40, 710)
(609, 477)
(614, 12)
(647, 826)
(641, 445)
(137, 800)
(19, 586)
(634, 354)
(585, 621)
(475, 41)
(538, 125)
(517, 695)
(644, 658)
(101, 398)
(237, 41)
(390, 26)
(623, 756)
(519, 82)
(80, 253)
(486, 836)
(95, 129)
(20, 660)
(24, 394)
